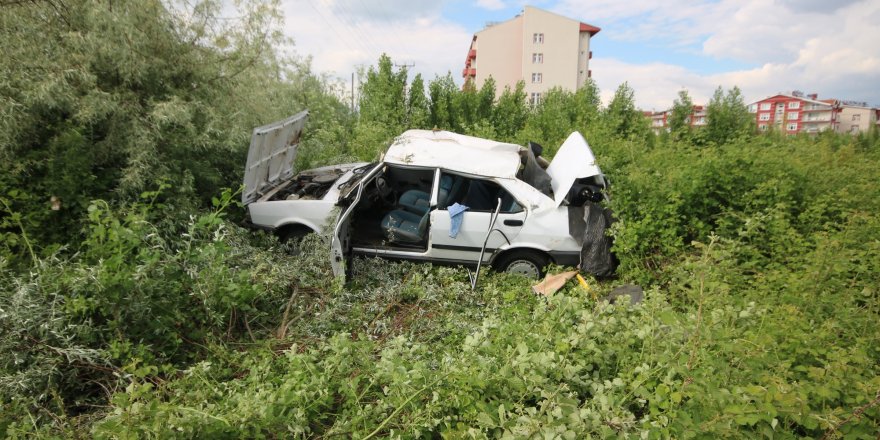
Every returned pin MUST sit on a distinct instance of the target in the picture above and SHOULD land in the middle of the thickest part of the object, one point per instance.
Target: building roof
(593, 30)
(455, 152)
(584, 27)
(801, 98)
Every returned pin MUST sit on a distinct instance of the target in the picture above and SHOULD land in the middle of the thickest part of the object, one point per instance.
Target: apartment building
(794, 113)
(798, 113)
(657, 120)
(698, 117)
(855, 117)
(543, 49)
(660, 120)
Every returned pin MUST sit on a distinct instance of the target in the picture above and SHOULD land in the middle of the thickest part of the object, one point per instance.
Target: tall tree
(586, 107)
(486, 100)
(383, 109)
(443, 102)
(551, 121)
(467, 103)
(621, 118)
(511, 112)
(417, 104)
(102, 99)
(680, 118)
(727, 117)
(383, 95)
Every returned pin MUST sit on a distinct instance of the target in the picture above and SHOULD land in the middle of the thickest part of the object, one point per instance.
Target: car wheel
(291, 236)
(530, 264)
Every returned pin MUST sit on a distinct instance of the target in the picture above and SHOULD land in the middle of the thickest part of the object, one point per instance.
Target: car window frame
(519, 203)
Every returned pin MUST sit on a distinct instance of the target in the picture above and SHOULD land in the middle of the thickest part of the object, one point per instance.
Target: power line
(369, 11)
(355, 26)
(336, 31)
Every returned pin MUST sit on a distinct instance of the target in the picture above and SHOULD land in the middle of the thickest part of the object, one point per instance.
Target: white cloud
(656, 85)
(342, 36)
(384, 10)
(680, 22)
(492, 5)
(824, 47)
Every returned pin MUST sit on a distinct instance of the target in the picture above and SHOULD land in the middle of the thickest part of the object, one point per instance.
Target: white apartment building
(855, 117)
(543, 49)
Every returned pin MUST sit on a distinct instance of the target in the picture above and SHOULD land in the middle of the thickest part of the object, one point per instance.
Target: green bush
(135, 312)
(134, 300)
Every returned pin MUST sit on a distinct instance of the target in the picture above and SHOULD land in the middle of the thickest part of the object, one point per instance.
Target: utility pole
(406, 82)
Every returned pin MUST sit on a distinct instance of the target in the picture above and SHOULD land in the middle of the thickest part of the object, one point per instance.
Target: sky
(828, 47)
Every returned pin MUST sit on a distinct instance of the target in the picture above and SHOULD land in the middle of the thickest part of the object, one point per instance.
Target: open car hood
(271, 156)
(573, 161)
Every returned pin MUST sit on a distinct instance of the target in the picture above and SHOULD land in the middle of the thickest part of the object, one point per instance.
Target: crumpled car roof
(455, 152)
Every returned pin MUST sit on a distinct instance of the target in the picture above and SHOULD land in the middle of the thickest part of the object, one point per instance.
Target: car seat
(419, 202)
(401, 226)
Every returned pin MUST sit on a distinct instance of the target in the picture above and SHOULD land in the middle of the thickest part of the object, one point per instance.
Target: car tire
(290, 237)
(529, 263)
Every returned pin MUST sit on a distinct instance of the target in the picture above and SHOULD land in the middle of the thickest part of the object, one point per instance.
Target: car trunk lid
(271, 156)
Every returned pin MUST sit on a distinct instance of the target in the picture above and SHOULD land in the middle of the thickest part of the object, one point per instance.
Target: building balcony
(468, 72)
(472, 54)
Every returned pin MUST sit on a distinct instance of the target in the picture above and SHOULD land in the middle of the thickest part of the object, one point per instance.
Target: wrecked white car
(437, 197)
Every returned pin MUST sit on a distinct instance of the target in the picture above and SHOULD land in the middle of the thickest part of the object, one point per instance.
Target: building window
(536, 78)
(763, 127)
(753, 108)
(764, 117)
(535, 98)
(765, 106)
(538, 38)
(794, 104)
(792, 126)
(856, 118)
(537, 58)
(792, 115)
(854, 129)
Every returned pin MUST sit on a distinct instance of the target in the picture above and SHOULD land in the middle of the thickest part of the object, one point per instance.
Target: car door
(465, 246)
(340, 243)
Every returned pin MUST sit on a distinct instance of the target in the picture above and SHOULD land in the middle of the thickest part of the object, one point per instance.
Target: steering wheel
(384, 190)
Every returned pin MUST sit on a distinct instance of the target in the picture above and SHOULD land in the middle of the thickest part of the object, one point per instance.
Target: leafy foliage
(679, 118)
(137, 299)
(622, 118)
(145, 313)
(103, 100)
(727, 117)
